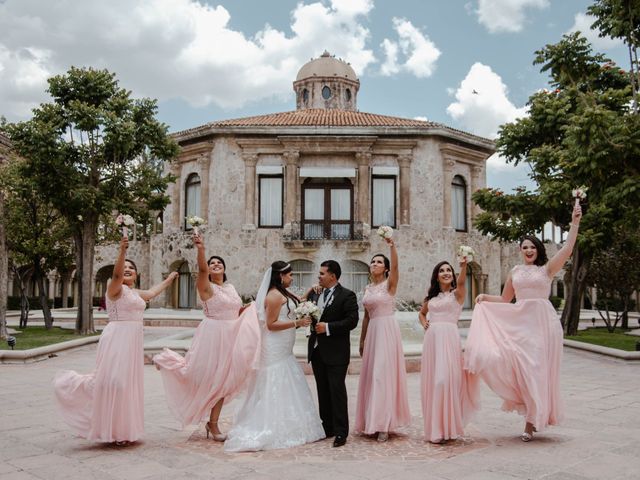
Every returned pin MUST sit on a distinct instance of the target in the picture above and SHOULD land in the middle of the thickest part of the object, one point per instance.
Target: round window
(326, 92)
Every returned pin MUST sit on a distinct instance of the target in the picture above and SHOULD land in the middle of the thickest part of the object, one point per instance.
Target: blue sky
(226, 59)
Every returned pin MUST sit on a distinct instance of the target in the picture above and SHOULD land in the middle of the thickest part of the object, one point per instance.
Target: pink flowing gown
(108, 404)
(382, 404)
(224, 349)
(517, 348)
(449, 395)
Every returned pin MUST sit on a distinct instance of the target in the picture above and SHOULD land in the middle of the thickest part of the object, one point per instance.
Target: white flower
(80, 217)
(307, 309)
(195, 221)
(580, 192)
(385, 231)
(466, 251)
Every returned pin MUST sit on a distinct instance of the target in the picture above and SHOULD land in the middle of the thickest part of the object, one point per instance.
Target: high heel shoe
(383, 436)
(218, 437)
(526, 437)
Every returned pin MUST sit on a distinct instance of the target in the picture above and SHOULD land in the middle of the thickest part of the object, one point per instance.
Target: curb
(608, 351)
(41, 353)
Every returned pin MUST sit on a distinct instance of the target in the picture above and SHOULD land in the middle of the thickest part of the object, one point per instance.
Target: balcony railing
(310, 236)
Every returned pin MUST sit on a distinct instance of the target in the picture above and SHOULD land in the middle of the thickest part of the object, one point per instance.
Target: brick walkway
(599, 439)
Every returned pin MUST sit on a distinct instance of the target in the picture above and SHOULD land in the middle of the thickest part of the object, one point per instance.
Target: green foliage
(34, 337)
(601, 336)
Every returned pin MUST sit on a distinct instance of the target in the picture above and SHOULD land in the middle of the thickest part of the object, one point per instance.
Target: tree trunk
(575, 290)
(44, 297)
(24, 301)
(85, 243)
(625, 314)
(4, 271)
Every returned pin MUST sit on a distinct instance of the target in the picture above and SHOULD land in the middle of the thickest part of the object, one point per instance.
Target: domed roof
(327, 66)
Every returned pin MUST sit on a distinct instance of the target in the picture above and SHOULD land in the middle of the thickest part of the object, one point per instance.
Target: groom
(329, 349)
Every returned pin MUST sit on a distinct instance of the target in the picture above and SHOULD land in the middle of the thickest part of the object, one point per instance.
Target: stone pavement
(599, 439)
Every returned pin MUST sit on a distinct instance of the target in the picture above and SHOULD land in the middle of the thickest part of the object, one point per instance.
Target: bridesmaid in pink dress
(224, 349)
(449, 396)
(517, 348)
(108, 404)
(382, 405)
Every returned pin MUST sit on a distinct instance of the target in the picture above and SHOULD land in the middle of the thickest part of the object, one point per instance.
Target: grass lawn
(600, 336)
(32, 337)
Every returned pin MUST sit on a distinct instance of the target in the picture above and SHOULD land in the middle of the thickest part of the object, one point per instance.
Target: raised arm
(394, 274)
(560, 258)
(461, 282)
(507, 294)
(158, 288)
(202, 283)
(115, 286)
(422, 315)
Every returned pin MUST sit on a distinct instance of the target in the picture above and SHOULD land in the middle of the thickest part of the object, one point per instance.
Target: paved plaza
(600, 438)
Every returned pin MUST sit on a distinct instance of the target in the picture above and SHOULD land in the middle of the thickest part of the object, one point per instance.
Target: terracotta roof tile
(323, 117)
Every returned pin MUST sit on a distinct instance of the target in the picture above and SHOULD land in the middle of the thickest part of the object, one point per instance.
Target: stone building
(315, 183)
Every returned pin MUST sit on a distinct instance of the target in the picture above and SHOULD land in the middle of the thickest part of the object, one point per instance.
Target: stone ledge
(599, 349)
(41, 353)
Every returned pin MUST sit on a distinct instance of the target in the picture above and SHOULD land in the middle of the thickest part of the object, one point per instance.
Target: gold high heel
(218, 437)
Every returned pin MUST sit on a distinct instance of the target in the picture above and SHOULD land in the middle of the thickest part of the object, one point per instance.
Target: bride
(278, 411)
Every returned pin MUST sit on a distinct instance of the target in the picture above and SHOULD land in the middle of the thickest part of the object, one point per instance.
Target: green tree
(37, 235)
(85, 150)
(582, 131)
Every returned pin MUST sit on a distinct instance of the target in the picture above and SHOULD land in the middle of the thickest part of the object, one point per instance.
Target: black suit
(330, 358)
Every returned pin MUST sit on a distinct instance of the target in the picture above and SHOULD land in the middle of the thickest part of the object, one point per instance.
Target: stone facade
(325, 145)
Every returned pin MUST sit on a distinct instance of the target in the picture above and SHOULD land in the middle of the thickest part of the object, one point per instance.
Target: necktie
(325, 294)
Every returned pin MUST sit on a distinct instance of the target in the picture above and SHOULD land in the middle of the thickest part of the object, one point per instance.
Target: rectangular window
(383, 201)
(458, 207)
(271, 193)
(327, 212)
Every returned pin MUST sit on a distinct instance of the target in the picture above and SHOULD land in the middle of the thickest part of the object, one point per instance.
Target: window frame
(395, 199)
(327, 221)
(464, 202)
(188, 183)
(270, 175)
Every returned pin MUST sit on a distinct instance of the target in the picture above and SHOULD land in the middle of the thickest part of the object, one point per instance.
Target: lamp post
(11, 341)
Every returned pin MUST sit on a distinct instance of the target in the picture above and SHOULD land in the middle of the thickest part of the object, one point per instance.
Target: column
(404, 161)
(291, 160)
(447, 178)
(204, 161)
(176, 193)
(363, 160)
(250, 160)
(474, 187)
(52, 286)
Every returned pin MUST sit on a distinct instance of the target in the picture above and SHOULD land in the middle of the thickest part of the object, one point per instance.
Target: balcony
(310, 237)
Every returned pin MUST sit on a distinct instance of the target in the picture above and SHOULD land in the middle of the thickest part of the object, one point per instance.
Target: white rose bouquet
(307, 309)
(195, 222)
(385, 231)
(467, 252)
(125, 221)
(579, 193)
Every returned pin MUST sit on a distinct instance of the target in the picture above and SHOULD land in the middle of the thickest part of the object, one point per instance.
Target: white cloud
(420, 53)
(506, 15)
(481, 102)
(170, 49)
(582, 23)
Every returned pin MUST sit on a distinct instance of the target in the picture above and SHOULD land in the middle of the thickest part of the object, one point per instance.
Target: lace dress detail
(108, 404)
(517, 348)
(382, 404)
(449, 395)
(279, 411)
(222, 353)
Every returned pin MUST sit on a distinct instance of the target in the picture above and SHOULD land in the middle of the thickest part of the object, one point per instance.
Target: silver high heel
(218, 437)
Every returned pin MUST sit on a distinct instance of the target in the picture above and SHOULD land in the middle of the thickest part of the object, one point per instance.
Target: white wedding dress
(278, 411)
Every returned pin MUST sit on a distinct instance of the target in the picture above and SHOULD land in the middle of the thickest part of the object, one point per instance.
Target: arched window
(326, 92)
(355, 276)
(304, 275)
(192, 198)
(186, 287)
(102, 278)
(305, 96)
(347, 95)
(159, 223)
(459, 204)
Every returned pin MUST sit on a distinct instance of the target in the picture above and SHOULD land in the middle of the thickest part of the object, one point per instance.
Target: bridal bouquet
(307, 309)
(467, 252)
(125, 221)
(195, 222)
(579, 193)
(385, 231)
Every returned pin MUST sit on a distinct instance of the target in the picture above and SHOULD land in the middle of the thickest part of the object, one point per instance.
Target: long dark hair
(541, 259)
(387, 263)
(434, 288)
(278, 268)
(224, 275)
